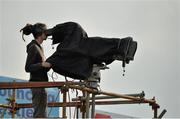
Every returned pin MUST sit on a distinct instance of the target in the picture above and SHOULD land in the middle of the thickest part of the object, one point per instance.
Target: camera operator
(37, 67)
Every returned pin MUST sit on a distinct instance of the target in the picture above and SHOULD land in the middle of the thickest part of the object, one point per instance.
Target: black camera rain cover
(76, 52)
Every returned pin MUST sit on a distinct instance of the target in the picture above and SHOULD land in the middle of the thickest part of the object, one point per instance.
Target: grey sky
(154, 24)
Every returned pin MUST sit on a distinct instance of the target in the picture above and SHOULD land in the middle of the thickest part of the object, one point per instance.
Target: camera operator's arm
(31, 64)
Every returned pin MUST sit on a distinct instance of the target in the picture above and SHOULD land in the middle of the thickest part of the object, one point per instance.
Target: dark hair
(36, 29)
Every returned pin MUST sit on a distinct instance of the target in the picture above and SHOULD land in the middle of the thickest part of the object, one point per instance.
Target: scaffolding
(91, 96)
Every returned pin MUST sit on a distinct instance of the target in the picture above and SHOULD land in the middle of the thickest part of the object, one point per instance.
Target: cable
(68, 99)
(69, 106)
(52, 76)
(58, 92)
(76, 108)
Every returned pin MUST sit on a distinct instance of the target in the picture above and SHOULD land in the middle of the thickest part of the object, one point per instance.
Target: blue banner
(25, 96)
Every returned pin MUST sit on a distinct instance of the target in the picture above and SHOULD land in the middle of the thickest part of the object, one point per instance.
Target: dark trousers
(39, 102)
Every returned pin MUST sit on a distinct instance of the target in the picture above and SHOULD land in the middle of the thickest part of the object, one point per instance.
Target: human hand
(46, 64)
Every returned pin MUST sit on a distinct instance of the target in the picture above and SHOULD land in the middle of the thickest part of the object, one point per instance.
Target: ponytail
(36, 29)
(26, 30)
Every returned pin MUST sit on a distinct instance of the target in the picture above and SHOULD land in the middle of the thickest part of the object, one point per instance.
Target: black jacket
(33, 63)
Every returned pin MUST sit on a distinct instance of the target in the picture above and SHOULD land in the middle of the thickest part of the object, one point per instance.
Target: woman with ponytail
(36, 66)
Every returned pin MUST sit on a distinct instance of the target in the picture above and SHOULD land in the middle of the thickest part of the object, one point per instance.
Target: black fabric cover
(76, 52)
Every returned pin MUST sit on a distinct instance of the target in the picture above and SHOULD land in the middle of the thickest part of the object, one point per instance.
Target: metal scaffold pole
(83, 103)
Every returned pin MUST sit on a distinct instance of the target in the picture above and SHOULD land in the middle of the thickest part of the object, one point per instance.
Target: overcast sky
(153, 24)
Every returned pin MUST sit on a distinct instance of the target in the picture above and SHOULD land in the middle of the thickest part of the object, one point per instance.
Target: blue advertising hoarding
(25, 96)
